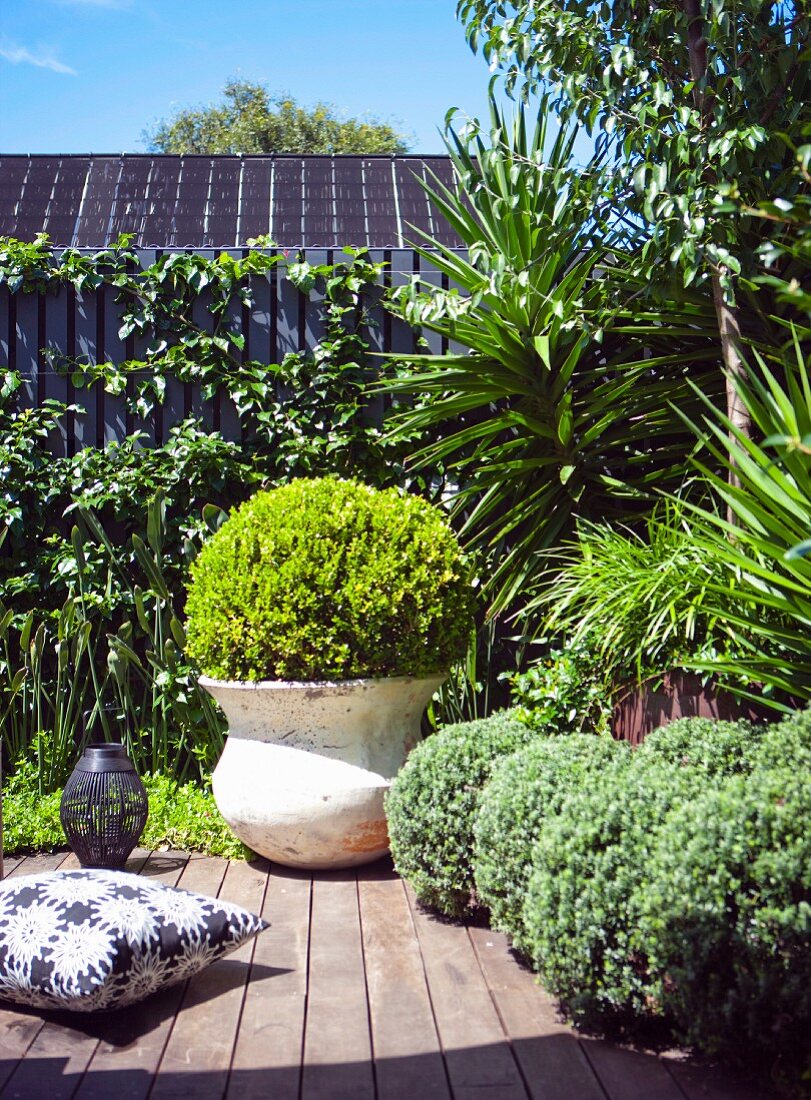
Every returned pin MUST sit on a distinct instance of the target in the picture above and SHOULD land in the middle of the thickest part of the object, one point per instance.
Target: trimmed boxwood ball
(525, 790)
(787, 743)
(726, 916)
(433, 802)
(326, 579)
(716, 747)
(581, 911)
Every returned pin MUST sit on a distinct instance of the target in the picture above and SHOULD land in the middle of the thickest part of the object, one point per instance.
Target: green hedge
(714, 747)
(725, 920)
(524, 790)
(432, 805)
(580, 917)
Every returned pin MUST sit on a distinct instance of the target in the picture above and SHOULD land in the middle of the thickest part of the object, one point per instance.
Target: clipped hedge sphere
(326, 579)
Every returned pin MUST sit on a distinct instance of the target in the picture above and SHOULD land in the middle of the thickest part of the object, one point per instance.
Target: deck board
(354, 991)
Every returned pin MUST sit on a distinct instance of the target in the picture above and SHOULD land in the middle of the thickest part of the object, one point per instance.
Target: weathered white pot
(306, 765)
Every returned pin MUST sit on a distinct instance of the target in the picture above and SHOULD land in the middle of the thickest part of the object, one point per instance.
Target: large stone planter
(305, 767)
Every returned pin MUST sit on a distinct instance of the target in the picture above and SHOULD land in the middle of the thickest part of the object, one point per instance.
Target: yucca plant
(554, 403)
(765, 549)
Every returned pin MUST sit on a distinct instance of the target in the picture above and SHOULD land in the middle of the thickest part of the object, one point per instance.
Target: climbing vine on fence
(308, 414)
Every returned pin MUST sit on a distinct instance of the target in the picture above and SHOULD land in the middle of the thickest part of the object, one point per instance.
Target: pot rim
(282, 685)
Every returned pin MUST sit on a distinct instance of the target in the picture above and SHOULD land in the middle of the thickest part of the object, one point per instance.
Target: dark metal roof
(220, 201)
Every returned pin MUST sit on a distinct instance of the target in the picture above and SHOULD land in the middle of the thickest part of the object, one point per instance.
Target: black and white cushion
(85, 940)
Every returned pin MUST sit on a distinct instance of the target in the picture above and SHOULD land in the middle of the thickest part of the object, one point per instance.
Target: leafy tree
(249, 120)
(705, 104)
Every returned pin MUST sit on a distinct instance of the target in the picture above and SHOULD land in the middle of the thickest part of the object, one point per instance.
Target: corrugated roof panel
(350, 218)
(66, 201)
(158, 224)
(223, 203)
(287, 226)
(219, 201)
(36, 195)
(318, 223)
(93, 220)
(254, 210)
(380, 203)
(192, 199)
(13, 171)
(129, 198)
(415, 209)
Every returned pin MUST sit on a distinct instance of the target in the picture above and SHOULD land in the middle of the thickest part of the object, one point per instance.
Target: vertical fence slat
(54, 327)
(6, 327)
(27, 332)
(88, 397)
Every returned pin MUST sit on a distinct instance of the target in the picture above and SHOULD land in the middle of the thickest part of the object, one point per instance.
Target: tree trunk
(734, 365)
(728, 328)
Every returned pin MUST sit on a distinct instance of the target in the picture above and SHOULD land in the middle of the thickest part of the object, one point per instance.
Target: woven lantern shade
(104, 806)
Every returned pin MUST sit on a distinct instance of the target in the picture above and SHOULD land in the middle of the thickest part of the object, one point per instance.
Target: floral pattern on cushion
(92, 939)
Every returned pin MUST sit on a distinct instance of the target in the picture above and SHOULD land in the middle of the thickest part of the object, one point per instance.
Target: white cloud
(43, 57)
(115, 5)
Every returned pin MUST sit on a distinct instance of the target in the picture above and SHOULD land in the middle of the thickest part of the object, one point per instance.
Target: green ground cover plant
(181, 816)
(326, 579)
(432, 805)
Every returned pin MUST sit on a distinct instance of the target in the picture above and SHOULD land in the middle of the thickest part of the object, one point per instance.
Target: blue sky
(90, 75)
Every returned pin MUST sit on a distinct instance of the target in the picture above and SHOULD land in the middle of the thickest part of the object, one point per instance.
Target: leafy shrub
(787, 743)
(432, 805)
(726, 919)
(329, 580)
(184, 817)
(638, 600)
(589, 867)
(524, 791)
(564, 693)
(715, 747)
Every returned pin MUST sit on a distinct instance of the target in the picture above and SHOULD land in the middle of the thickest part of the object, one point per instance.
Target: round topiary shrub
(524, 791)
(329, 580)
(787, 743)
(581, 914)
(715, 747)
(433, 803)
(726, 917)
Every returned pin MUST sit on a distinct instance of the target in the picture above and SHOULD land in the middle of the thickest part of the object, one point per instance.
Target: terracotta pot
(305, 767)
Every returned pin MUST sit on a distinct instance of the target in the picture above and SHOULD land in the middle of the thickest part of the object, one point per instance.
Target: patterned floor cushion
(87, 940)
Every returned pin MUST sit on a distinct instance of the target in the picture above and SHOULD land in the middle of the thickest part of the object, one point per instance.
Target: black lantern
(104, 806)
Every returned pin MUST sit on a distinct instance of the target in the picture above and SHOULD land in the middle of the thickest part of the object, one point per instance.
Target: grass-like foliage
(433, 802)
(642, 600)
(181, 816)
(328, 580)
(525, 789)
(764, 545)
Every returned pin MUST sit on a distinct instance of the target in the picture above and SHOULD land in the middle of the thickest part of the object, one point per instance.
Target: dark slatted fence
(85, 326)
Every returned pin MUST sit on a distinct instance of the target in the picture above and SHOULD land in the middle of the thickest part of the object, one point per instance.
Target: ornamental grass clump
(524, 791)
(433, 803)
(331, 580)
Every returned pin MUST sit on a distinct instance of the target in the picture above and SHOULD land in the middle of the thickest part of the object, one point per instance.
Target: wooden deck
(353, 992)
